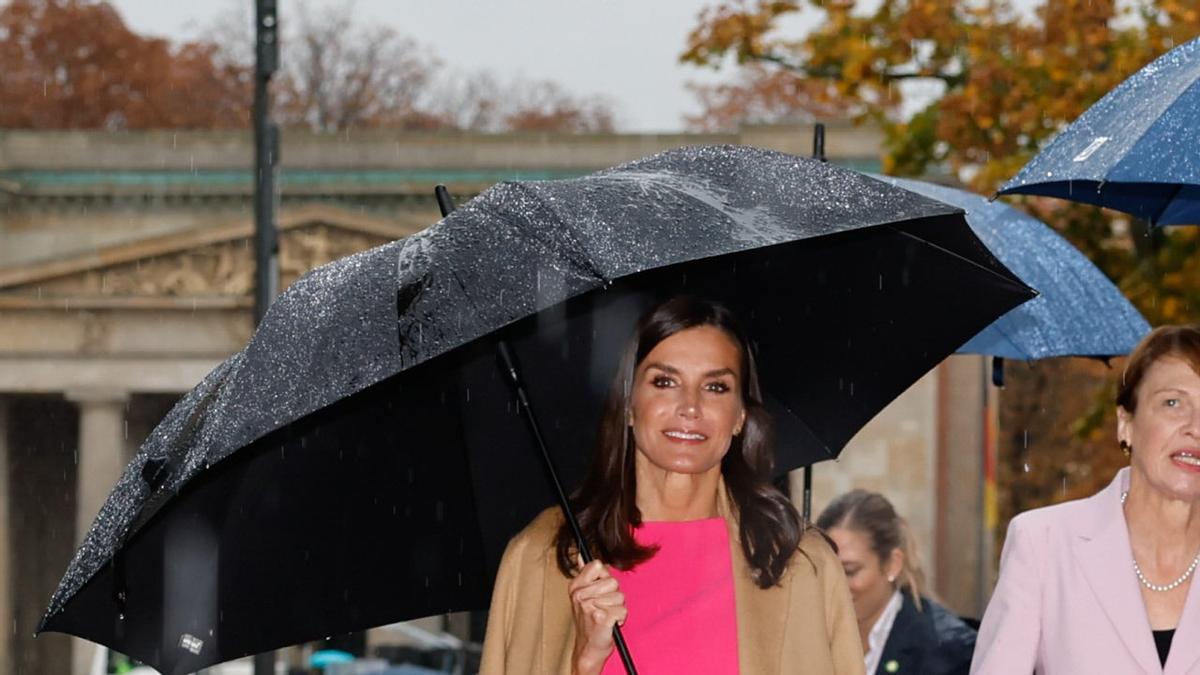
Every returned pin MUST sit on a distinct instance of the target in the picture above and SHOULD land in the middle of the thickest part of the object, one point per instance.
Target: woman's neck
(865, 626)
(1160, 522)
(666, 496)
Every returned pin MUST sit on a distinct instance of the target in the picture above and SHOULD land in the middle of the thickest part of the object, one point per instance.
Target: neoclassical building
(126, 274)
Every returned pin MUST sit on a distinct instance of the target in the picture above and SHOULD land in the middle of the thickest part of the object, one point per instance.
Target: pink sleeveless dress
(682, 617)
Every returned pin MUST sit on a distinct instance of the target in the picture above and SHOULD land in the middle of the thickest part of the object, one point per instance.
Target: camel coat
(805, 624)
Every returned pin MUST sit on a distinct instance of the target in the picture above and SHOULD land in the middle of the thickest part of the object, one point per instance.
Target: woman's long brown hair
(606, 503)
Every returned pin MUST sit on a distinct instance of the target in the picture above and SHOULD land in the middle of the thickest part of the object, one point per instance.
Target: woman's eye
(718, 387)
(662, 382)
(1171, 403)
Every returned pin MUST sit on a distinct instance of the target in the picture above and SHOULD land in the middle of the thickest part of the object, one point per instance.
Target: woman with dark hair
(1107, 584)
(902, 631)
(706, 565)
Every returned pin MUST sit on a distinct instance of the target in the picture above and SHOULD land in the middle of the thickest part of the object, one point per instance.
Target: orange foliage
(74, 64)
(1009, 82)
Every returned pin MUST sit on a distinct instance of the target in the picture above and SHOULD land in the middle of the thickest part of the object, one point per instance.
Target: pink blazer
(1068, 602)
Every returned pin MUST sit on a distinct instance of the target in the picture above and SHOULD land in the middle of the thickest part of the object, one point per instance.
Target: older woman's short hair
(1181, 342)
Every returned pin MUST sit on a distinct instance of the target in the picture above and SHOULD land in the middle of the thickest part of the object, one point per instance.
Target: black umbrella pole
(444, 201)
(807, 495)
(514, 376)
(446, 205)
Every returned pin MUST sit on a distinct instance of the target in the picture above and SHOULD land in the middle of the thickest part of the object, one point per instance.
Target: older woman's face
(687, 402)
(1165, 430)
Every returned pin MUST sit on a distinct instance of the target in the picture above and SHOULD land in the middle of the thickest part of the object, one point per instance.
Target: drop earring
(1126, 448)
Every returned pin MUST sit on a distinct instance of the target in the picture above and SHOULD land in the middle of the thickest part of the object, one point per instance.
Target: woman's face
(1165, 430)
(866, 574)
(686, 401)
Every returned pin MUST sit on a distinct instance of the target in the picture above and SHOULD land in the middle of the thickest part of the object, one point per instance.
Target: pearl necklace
(1161, 588)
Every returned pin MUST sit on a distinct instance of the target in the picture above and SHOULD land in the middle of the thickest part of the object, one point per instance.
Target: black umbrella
(350, 468)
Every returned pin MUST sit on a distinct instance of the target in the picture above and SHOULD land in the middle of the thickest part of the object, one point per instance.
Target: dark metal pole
(819, 143)
(266, 157)
(806, 496)
(446, 204)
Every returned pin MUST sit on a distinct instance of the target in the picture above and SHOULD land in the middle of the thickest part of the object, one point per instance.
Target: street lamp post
(266, 157)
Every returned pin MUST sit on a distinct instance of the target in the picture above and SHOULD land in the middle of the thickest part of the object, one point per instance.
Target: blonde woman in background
(902, 630)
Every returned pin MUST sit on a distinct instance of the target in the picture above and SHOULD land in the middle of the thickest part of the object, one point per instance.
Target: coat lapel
(908, 632)
(1104, 555)
(762, 614)
(1185, 648)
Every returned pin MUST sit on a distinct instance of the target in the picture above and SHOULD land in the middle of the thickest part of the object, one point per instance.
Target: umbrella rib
(1178, 95)
(587, 263)
(952, 254)
(1166, 205)
(829, 452)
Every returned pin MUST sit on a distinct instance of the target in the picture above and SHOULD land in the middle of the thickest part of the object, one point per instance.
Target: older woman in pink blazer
(1107, 584)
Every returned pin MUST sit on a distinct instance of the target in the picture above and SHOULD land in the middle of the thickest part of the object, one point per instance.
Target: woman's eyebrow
(1171, 390)
(672, 370)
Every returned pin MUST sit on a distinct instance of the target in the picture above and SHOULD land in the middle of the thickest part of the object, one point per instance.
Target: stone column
(101, 459)
(6, 549)
(962, 411)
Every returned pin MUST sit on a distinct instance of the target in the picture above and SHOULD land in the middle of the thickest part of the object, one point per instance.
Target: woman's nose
(689, 406)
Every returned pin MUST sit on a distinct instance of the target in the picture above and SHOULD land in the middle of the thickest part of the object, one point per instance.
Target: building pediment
(210, 267)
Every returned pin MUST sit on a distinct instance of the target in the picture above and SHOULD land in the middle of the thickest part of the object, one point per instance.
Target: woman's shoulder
(541, 531)
(1049, 520)
(948, 626)
(1087, 512)
(814, 553)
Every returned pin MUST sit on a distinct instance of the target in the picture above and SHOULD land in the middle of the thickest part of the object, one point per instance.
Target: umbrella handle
(514, 377)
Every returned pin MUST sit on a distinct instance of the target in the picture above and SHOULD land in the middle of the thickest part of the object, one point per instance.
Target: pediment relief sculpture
(214, 265)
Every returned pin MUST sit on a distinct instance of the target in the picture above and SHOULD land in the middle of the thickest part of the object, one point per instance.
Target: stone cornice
(120, 254)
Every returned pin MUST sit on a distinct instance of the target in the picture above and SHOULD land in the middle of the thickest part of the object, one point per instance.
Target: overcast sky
(625, 50)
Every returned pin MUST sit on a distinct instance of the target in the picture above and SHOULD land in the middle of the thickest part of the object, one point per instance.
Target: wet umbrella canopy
(1136, 150)
(363, 461)
(1078, 311)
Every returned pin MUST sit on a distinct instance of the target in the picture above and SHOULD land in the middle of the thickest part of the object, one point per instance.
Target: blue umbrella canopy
(1136, 150)
(1079, 312)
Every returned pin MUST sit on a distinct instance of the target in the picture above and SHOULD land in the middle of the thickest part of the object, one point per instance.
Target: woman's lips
(1188, 460)
(685, 435)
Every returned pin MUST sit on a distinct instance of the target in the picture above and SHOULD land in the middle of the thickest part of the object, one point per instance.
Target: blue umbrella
(1136, 150)
(1079, 312)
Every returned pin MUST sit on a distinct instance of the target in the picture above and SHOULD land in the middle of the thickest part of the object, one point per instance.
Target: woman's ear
(894, 565)
(1123, 419)
(741, 424)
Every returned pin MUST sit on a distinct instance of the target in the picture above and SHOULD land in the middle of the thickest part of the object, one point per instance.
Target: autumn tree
(1004, 81)
(480, 101)
(338, 73)
(74, 64)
